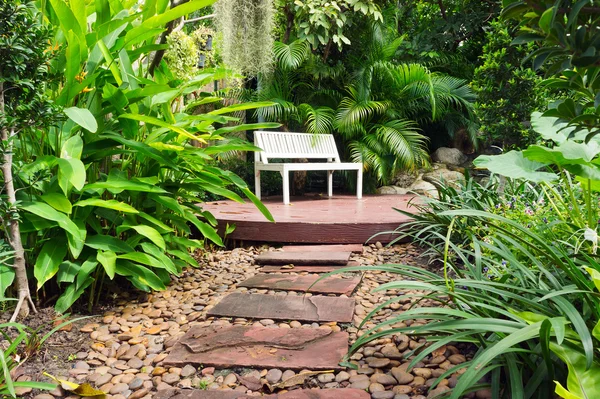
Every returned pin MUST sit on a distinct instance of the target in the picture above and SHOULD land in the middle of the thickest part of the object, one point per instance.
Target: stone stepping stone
(260, 347)
(329, 285)
(300, 269)
(354, 248)
(301, 308)
(343, 393)
(305, 258)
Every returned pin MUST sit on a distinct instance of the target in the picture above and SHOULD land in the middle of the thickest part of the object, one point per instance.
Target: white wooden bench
(284, 145)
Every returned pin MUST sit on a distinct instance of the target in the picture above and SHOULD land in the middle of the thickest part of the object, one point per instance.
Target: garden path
(272, 347)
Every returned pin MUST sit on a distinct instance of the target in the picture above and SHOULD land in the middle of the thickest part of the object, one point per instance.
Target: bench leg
(359, 183)
(330, 183)
(257, 183)
(286, 187)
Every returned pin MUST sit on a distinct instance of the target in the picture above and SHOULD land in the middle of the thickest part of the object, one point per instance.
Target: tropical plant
(507, 92)
(568, 46)
(379, 111)
(324, 23)
(113, 189)
(524, 295)
(24, 107)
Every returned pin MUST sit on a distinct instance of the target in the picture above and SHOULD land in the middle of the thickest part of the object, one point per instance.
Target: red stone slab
(301, 308)
(306, 283)
(301, 268)
(354, 248)
(344, 393)
(303, 258)
(260, 347)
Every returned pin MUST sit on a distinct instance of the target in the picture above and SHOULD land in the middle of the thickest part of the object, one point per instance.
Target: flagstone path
(276, 348)
(169, 344)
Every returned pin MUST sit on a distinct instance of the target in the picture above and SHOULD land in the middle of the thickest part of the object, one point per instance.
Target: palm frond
(291, 56)
(318, 119)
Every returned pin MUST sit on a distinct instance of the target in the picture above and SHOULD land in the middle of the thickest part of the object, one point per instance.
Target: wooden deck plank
(354, 248)
(303, 258)
(301, 308)
(300, 269)
(315, 219)
(330, 285)
(260, 347)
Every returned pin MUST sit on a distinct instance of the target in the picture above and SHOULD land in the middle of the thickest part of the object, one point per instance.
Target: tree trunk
(24, 303)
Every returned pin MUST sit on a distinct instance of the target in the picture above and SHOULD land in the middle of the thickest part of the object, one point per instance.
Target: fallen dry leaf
(84, 389)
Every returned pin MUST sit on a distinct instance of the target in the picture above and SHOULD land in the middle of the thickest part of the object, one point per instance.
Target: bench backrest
(288, 145)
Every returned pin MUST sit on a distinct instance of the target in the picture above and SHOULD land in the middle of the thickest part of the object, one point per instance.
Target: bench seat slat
(290, 145)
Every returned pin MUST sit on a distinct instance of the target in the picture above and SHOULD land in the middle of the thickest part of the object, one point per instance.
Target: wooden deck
(315, 219)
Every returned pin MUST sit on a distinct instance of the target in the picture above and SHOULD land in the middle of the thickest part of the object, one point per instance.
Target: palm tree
(378, 108)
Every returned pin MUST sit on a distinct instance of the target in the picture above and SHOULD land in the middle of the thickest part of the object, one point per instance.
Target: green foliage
(23, 343)
(182, 55)
(245, 31)
(112, 190)
(446, 36)
(569, 46)
(324, 22)
(378, 107)
(507, 93)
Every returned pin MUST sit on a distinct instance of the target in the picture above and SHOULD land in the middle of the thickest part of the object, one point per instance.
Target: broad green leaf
(107, 243)
(514, 165)
(114, 185)
(582, 382)
(72, 148)
(47, 212)
(109, 204)
(83, 117)
(595, 274)
(48, 261)
(76, 243)
(148, 232)
(170, 15)
(165, 228)
(108, 260)
(242, 107)
(158, 122)
(141, 275)
(7, 276)
(67, 271)
(71, 294)
(58, 202)
(160, 255)
(142, 258)
(546, 19)
(184, 256)
(550, 128)
(71, 172)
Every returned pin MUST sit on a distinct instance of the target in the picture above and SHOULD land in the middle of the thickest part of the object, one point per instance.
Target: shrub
(507, 92)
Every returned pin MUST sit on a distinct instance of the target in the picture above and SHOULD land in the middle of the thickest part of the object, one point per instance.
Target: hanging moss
(245, 28)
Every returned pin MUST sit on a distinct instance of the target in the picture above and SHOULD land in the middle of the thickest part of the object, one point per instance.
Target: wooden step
(301, 308)
(300, 269)
(260, 347)
(341, 393)
(354, 248)
(303, 258)
(330, 285)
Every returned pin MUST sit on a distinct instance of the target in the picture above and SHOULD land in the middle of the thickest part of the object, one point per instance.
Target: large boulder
(391, 190)
(424, 188)
(449, 156)
(446, 177)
